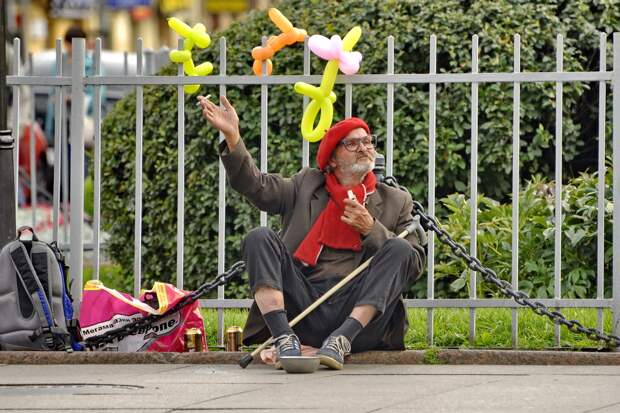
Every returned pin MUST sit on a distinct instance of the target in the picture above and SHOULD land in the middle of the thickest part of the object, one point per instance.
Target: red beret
(334, 135)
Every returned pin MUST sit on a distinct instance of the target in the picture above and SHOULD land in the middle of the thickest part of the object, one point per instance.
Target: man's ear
(332, 162)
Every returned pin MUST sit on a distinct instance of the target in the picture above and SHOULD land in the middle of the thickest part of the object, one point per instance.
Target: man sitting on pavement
(333, 218)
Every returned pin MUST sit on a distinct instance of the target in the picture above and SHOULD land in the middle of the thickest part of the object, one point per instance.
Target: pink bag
(104, 309)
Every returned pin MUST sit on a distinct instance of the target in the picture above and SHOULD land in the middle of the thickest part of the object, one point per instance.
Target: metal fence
(76, 82)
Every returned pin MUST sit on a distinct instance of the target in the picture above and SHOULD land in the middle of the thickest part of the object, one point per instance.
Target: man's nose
(363, 148)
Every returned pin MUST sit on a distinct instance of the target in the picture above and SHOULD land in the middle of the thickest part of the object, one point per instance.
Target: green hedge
(536, 241)
(411, 23)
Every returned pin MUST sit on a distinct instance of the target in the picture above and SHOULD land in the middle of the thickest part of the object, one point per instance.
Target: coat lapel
(319, 200)
(374, 204)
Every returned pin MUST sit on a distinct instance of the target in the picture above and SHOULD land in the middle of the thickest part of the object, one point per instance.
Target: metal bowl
(300, 364)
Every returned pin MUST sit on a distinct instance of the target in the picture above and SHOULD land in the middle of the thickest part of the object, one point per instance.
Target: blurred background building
(38, 23)
(118, 22)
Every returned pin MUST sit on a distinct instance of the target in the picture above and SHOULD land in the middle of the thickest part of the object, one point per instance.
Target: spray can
(193, 340)
(234, 336)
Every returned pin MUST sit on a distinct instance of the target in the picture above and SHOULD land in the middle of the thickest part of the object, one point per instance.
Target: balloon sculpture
(339, 55)
(289, 36)
(193, 36)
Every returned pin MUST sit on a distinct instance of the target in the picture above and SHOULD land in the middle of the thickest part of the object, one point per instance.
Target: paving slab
(259, 388)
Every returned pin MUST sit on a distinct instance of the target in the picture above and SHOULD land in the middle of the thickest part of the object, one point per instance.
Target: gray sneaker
(287, 345)
(333, 351)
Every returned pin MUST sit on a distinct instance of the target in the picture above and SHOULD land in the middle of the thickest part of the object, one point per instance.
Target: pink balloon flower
(331, 49)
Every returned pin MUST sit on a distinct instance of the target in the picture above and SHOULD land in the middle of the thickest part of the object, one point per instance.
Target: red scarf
(329, 229)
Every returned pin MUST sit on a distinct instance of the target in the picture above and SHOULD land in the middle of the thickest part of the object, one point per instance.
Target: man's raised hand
(224, 119)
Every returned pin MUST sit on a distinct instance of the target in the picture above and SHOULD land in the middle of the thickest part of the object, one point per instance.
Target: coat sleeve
(271, 193)
(379, 234)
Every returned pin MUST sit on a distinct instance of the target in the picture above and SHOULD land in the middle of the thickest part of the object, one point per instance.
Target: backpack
(36, 307)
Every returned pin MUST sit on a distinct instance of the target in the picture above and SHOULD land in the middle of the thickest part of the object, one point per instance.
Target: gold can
(193, 340)
(234, 336)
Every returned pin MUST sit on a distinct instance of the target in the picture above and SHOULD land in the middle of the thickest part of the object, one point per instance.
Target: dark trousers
(270, 264)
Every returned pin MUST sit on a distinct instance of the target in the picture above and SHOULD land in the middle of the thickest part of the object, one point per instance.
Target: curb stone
(432, 356)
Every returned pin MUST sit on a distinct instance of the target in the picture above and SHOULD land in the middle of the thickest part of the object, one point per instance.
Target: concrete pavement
(358, 388)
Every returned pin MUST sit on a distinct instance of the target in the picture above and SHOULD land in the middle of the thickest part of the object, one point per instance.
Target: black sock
(277, 323)
(350, 329)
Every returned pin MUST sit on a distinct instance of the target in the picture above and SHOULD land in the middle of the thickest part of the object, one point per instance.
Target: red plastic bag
(104, 309)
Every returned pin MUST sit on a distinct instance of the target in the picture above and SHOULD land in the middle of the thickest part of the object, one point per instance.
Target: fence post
(34, 192)
(77, 169)
(600, 202)
(615, 306)
(473, 182)
(516, 142)
(221, 223)
(15, 122)
(59, 160)
(137, 251)
(559, 90)
(389, 128)
(180, 174)
(97, 163)
(305, 146)
(432, 123)
(264, 130)
(7, 180)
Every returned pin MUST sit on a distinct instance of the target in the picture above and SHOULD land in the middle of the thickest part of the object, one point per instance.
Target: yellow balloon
(200, 36)
(204, 69)
(188, 44)
(178, 26)
(329, 77)
(305, 89)
(180, 56)
(193, 36)
(351, 38)
(188, 67)
(189, 89)
(326, 107)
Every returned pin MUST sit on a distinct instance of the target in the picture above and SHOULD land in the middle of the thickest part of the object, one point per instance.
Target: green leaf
(458, 284)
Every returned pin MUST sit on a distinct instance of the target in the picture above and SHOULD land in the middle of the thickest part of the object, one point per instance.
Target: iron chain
(430, 223)
(94, 343)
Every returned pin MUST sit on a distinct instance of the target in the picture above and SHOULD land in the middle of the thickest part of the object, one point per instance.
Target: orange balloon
(257, 67)
(262, 53)
(278, 18)
(294, 36)
(271, 40)
(279, 42)
(289, 36)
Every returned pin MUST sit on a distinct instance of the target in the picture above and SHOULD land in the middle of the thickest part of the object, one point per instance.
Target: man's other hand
(356, 215)
(224, 119)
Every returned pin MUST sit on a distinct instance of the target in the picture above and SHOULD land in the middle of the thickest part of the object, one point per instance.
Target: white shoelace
(339, 344)
(287, 342)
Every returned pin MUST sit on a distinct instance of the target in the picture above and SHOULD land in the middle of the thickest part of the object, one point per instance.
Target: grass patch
(111, 276)
(451, 329)
(493, 328)
(431, 356)
(232, 317)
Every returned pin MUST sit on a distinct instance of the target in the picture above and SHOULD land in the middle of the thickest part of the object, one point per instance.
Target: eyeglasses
(354, 144)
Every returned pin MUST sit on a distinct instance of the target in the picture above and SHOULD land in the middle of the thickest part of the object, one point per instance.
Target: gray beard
(358, 168)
